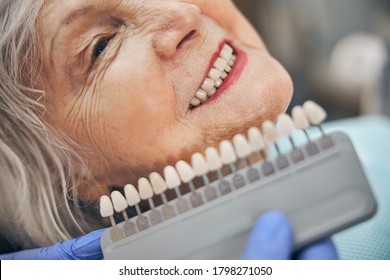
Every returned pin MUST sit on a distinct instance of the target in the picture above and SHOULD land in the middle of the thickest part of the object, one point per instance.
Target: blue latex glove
(271, 239)
(86, 247)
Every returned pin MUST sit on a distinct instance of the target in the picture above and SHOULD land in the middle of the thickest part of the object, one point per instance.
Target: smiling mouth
(219, 71)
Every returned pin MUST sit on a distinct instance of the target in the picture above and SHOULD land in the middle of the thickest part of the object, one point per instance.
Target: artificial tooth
(231, 62)
(195, 101)
(220, 63)
(201, 95)
(208, 84)
(286, 127)
(233, 57)
(228, 48)
(223, 75)
(215, 74)
(226, 54)
(218, 83)
(185, 171)
(146, 193)
(227, 152)
(213, 159)
(106, 208)
(133, 199)
(199, 164)
(241, 146)
(299, 118)
(119, 201)
(132, 196)
(270, 132)
(211, 92)
(158, 184)
(200, 167)
(145, 189)
(314, 112)
(285, 124)
(171, 177)
(228, 69)
(255, 139)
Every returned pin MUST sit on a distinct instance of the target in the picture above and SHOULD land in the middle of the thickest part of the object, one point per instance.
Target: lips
(217, 74)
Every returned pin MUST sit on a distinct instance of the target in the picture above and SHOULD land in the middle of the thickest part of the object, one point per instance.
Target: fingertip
(322, 250)
(271, 238)
(87, 247)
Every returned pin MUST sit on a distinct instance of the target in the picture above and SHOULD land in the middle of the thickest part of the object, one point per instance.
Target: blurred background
(337, 51)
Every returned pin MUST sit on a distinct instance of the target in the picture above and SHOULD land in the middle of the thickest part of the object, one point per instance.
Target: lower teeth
(200, 94)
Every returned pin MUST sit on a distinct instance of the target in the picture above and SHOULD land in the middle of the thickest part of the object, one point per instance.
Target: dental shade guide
(201, 169)
(316, 115)
(319, 184)
(286, 127)
(301, 122)
(159, 187)
(187, 174)
(243, 151)
(173, 182)
(214, 163)
(146, 193)
(120, 206)
(107, 210)
(229, 158)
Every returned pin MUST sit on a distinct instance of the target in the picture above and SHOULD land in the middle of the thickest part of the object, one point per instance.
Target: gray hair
(37, 165)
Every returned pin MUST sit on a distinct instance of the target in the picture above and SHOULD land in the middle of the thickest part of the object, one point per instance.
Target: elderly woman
(95, 94)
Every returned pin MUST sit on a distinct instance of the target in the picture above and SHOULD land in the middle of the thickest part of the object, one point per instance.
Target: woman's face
(120, 77)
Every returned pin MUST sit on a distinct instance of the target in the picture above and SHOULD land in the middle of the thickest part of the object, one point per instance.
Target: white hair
(37, 182)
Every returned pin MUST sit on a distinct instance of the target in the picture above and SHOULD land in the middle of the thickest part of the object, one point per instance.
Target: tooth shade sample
(171, 177)
(270, 132)
(185, 171)
(199, 164)
(227, 152)
(145, 188)
(299, 118)
(106, 209)
(212, 158)
(314, 112)
(158, 184)
(255, 139)
(119, 201)
(132, 196)
(241, 145)
(285, 124)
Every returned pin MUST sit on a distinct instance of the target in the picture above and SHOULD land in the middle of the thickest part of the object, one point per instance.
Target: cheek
(226, 14)
(139, 124)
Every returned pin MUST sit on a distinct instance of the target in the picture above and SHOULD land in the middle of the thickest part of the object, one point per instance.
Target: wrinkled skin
(126, 101)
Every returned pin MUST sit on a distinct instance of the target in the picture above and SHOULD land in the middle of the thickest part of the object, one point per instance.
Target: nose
(178, 23)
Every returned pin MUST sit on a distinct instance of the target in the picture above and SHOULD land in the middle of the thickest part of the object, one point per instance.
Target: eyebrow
(71, 17)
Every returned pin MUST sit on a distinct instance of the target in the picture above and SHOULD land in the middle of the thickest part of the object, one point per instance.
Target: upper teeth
(218, 72)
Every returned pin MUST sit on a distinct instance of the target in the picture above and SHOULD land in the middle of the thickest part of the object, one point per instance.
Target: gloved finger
(86, 247)
(323, 250)
(271, 238)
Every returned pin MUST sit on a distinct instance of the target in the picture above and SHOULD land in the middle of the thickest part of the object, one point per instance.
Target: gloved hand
(86, 247)
(271, 239)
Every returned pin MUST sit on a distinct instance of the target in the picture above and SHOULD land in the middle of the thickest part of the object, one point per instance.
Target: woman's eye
(99, 48)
